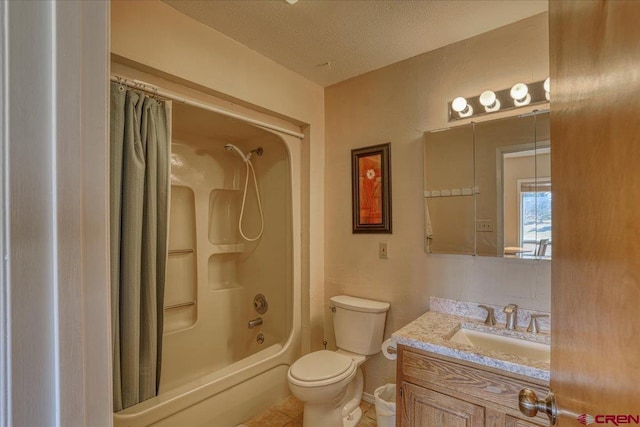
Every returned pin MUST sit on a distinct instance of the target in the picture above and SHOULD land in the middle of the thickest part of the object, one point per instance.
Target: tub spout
(255, 322)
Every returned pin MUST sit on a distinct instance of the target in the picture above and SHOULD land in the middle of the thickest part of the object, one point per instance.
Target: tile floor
(288, 413)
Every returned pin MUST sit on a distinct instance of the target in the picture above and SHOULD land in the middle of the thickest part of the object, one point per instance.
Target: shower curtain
(139, 179)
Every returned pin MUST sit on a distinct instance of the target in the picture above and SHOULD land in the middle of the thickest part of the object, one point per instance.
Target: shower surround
(210, 355)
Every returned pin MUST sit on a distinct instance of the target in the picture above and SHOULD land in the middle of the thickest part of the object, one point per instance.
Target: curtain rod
(155, 90)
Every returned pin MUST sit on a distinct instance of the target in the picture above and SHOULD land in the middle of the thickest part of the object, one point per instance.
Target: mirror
(488, 188)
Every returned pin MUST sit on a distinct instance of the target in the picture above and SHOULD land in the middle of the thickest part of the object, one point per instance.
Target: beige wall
(399, 103)
(153, 36)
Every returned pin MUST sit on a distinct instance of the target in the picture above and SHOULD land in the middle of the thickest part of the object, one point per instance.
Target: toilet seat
(321, 368)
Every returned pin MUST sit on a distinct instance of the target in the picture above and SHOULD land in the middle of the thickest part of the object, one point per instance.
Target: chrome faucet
(255, 322)
(512, 316)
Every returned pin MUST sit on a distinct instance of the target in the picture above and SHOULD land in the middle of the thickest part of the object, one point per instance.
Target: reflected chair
(541, 249)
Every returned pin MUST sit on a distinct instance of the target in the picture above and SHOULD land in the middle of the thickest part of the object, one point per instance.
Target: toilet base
(345, 412)
(352, 419)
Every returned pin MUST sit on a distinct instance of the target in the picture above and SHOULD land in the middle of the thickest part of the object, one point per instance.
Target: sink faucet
(512, 316)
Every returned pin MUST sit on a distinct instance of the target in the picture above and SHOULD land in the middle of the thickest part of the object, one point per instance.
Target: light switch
(383, 250)
(484, 225)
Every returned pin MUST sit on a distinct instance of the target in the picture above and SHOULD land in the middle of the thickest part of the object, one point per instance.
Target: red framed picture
(371, 189)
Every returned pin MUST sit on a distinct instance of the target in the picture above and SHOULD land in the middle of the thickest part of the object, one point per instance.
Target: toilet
(330, 383)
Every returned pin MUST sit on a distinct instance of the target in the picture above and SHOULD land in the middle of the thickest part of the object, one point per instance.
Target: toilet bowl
(330, 383)
(324, 381)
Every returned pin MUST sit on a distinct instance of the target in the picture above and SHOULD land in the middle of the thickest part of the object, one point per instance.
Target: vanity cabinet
(439, 391)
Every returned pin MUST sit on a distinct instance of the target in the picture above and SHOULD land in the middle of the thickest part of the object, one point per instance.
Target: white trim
(519, 183)
(28, 200)
(147, 87)
(53, 98)
(5, 332)
(53, 169)
(501, 154)
(93, 212)
(369, 398)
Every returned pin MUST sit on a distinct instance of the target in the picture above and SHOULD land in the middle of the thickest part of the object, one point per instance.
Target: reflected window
(535, 216)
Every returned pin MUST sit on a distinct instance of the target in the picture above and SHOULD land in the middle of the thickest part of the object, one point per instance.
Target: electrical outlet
(383, 250)
(484, 225)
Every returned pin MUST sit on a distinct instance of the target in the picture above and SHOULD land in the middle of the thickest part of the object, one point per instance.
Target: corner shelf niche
(223, 271)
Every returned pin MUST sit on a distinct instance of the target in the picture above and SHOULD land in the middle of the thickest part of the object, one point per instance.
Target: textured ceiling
(328, 41)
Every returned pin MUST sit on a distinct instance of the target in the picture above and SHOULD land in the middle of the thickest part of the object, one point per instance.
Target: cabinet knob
(530, 405)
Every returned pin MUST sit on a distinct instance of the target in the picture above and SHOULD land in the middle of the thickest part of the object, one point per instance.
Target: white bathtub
(220, 399)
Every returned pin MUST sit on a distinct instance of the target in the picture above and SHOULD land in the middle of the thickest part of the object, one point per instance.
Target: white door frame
(55, 350)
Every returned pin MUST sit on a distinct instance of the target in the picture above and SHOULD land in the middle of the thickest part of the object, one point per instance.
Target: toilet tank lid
(360, 304)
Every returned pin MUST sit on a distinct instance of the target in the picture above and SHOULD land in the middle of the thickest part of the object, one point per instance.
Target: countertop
(431, 331)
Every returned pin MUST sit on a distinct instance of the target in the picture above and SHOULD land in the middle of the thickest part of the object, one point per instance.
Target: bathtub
(223, 398)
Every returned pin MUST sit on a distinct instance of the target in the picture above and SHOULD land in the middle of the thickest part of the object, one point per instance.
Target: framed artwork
(371, 189)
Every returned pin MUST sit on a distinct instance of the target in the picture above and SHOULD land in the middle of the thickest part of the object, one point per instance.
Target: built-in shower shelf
(180, 252)
(181, 287)
(180, 305)
(233, 248)
(222, 271)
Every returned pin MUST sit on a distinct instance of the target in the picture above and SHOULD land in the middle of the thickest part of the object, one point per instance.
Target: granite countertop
(431, 332)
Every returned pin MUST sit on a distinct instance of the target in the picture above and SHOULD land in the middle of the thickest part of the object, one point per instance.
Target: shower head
(231, 147)
(245, 157)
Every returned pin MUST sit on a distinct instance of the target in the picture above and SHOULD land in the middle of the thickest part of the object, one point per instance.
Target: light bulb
(547, 88)
(520, 94)
(460, 106)
(490, 101)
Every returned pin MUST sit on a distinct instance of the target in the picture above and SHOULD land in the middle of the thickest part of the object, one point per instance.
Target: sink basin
(502, 344)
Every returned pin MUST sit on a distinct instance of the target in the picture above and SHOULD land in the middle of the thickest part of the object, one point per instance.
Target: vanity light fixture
(520, 94)
(462, 107)
(490, 101)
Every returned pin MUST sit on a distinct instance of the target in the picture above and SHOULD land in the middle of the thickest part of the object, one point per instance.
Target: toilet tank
(359, 323)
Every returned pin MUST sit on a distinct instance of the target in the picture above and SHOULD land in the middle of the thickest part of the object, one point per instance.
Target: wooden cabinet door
(515, 422)
(422, 407)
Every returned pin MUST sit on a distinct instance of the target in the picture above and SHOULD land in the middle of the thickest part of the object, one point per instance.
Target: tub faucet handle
(491, 316)
(260, 304)
(324, 343)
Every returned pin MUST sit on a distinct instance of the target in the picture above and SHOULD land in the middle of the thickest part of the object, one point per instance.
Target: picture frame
(371, 189)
